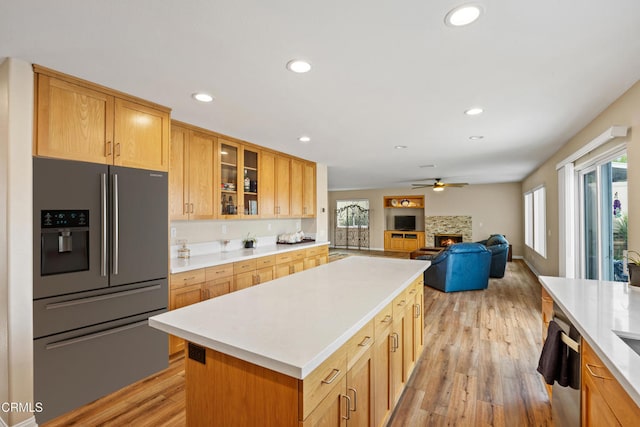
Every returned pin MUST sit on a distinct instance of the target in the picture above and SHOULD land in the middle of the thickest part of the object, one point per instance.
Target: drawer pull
(189, 278)
(332, 377)
(418, 310)
(365, 342)
(395, 344)
(386, 319)
(219, 271)
(402, 303)
(589, 366)
(412, 291)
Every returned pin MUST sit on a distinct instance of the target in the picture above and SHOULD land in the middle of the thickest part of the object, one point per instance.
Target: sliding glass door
(603, 200)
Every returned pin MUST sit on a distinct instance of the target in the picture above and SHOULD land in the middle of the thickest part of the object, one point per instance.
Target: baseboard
(29, 422)
(532, 268)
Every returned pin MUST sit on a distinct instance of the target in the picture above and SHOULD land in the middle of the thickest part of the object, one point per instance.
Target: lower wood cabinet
(403, 241)
(358, 385)
(604, 401)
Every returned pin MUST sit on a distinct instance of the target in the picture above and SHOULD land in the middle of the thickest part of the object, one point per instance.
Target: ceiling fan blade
(420, 185)
(455, 184)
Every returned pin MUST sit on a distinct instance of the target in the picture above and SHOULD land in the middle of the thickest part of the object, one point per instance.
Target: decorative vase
(249, 245)
(634, 274)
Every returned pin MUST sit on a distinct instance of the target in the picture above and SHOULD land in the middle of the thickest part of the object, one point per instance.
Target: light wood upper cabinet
(141, 136)
(296, 188)
(191, 177)
(77, 120)
(283, 185)
(267, 184)
(309, 190)
(73, 122)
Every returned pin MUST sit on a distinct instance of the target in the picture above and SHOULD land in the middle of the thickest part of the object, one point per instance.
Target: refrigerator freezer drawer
(77, 367)
(67, 312)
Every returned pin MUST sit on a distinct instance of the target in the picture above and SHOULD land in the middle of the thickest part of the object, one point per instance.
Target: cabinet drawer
(359, 343)
(219, 271)
(311, 252)
(284, 258)
(244, 266)
(382, 320)
(320, 381)
(400, 303)
(266, 261)
(299, 255)
(187, 278)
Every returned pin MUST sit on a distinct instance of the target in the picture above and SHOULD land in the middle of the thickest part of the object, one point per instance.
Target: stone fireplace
(458, 226)
(447, 239)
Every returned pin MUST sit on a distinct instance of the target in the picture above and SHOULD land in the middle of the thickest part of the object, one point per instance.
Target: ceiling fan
(438, 185)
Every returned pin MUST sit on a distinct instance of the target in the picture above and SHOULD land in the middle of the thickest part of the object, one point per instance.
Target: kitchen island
(284, 352)
(606, 314)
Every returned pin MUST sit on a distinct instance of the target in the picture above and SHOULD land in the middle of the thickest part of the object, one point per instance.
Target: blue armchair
(499, 247)
(460, 267)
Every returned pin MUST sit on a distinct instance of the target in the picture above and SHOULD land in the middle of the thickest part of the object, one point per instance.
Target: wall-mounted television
(404, 222)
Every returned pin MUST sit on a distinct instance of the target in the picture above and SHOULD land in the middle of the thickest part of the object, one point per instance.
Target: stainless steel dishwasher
(565, 401)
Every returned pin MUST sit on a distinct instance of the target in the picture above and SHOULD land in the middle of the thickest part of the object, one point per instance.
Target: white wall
(16, 252)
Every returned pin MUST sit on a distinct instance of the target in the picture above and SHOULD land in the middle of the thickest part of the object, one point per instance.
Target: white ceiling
(384, 73)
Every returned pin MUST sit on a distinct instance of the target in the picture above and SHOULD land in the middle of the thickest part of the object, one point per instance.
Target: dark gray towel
(554, 359)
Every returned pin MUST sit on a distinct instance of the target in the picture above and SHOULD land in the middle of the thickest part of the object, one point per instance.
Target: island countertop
(601, 311)
(179, 265)
(292, 324)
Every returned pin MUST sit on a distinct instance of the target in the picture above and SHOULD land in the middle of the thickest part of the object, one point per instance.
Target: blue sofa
(460, 267)
(499, 247)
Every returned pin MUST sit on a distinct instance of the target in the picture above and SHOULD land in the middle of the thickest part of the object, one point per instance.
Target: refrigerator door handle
(103, 225)
(116, 227)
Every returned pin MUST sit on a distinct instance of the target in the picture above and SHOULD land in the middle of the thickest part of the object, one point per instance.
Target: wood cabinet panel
(296, 188)
(179, 298)
(360, 390)
(217, 287)
(317, 385)
(201, 155)
(178, 178)
(330, 411)
(141, 136)
(283, 183)
(73, 122)
(382, 372)
(265, 274)
(244, 280)
(309, 190)
(267, 184)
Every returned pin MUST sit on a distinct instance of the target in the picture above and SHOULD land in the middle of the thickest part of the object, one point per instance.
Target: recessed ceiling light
(202, 97)
(400, 147)
(304, 138)
(473, 111)
(463, 15)
(476, 137)
(298, 66)
(427, 166)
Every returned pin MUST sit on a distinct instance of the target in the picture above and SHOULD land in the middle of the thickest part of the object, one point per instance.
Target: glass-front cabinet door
(238, 180)
(250, 183)
(229, 186)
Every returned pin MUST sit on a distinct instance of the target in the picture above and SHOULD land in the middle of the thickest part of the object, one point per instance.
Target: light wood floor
(478, 367)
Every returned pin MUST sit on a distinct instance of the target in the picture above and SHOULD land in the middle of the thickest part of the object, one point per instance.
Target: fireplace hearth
(444, 240)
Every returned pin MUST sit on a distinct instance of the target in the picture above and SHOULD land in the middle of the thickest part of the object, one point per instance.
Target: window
(535, 222)
(352, 213)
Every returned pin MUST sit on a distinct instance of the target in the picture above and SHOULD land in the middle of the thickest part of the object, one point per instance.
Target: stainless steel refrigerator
(100, 271)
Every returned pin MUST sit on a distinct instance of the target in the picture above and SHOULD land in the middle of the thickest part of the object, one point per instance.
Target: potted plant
(250, 242)
(633, 263)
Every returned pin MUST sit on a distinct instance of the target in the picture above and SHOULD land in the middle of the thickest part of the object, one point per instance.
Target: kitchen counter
(599, 309)
(292, 324)
(179, 265)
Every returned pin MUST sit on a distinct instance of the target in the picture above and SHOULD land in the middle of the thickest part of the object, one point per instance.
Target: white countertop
(292, 324)
(179, 265)
(597, 309)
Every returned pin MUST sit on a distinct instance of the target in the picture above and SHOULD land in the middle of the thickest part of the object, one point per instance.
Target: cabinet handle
(418, 310)
(186, 208)
(365, 342)
(402, 303)
(118, 149)
(348, 407)
(107, 149)
(589, 366)
(395, 343)
(355, 399)
(332, 377)
(386, 319)
(191, 207)
(189, 278)
(412, 291)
